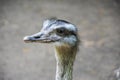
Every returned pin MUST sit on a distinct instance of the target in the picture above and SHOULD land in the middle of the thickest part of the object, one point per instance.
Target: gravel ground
(98, 23)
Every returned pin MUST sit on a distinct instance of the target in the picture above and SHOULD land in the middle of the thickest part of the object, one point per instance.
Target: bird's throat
(65, 56)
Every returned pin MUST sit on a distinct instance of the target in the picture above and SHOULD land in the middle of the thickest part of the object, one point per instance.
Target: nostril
(37, 37)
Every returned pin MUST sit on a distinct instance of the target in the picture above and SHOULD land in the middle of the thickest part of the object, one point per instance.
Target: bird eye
(60, 31)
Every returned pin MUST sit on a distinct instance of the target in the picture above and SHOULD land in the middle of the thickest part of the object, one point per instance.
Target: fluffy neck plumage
(65, 56)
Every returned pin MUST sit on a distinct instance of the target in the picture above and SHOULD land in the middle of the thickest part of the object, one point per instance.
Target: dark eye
(60, 31)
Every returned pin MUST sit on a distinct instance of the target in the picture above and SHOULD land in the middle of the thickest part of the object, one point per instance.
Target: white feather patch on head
(69, 27)
(48, 23)
(70, 40)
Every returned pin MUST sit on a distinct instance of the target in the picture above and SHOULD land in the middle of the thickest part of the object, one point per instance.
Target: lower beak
(39, 37)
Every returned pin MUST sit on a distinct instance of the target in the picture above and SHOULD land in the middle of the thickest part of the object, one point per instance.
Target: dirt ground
(98, 23)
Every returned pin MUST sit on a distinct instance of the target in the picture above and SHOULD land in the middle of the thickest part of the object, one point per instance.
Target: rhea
(65, 38)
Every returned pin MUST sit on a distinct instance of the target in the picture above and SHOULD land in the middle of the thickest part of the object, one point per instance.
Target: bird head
(55, 31)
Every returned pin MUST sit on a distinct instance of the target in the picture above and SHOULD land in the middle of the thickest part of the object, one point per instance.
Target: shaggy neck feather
(65, 56)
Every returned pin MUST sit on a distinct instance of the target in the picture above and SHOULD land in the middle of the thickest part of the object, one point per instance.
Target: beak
(40, 37)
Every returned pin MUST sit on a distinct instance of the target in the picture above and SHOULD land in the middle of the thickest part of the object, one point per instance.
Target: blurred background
(98, 23)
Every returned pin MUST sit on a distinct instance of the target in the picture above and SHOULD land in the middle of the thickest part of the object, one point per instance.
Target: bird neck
(65, 56)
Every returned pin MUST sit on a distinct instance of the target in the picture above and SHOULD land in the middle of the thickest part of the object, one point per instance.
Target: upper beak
(40, 37)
